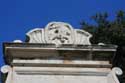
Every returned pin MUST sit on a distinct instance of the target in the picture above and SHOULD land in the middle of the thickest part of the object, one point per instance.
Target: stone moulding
(38, 50)
(110, 75)
(59, 33)
(59, 53)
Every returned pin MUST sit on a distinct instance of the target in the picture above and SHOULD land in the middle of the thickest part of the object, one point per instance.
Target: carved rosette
(59, 33)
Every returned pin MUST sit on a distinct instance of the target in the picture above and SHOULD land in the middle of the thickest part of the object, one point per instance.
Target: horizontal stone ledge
(26, 52)
(61, 71)
(62, 65)
(35, 61)
(53, 46)
(65, 49)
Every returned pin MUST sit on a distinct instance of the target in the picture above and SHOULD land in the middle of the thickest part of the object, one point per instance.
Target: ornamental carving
(59, 33)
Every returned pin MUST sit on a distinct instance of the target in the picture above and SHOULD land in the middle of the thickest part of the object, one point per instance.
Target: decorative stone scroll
(59, 33)
(112, 76)
(7, 69)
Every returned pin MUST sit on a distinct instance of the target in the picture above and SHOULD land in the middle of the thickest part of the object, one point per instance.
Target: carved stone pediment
(71, 60)
(59, 33)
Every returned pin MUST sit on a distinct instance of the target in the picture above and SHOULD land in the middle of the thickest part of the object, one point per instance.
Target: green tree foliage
(108, 32)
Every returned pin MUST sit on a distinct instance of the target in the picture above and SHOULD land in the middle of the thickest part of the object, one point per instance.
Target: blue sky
(19, 16)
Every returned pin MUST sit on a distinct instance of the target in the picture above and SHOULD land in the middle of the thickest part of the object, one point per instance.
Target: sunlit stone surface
(59, 54)
(59, 33)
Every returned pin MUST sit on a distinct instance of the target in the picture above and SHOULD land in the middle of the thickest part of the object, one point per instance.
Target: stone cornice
(42, 51)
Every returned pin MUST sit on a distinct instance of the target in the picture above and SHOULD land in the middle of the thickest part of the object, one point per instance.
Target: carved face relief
(59, 33)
